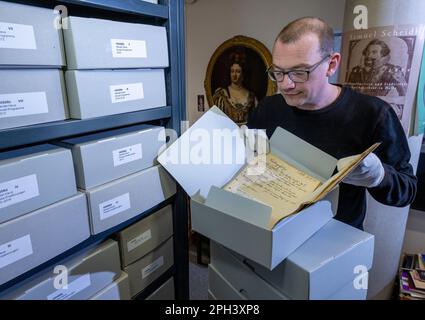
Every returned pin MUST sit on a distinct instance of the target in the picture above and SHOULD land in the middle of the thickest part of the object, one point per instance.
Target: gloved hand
(369, 173)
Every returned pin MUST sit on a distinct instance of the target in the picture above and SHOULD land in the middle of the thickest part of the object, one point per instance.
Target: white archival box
(239, 223)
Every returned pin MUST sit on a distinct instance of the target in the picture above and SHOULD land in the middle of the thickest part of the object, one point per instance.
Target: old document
(281, 186)
(286, 189)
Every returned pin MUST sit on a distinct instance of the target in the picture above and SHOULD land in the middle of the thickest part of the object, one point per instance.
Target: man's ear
(333, 65)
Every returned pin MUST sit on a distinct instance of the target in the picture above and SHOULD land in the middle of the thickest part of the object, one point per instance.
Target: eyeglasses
(296, 76)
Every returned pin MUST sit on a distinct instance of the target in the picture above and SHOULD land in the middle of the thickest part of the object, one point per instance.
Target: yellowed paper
(286, 189)
(281, 186)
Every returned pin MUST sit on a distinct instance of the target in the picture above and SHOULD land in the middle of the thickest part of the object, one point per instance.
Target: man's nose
(286, 83)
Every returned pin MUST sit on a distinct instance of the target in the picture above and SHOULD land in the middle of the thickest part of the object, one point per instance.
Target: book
(287, 189)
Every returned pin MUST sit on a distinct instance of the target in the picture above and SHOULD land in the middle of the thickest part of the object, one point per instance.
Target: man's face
(373, 56)
(301, 55)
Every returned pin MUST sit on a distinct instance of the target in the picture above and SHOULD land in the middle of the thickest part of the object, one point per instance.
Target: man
(377, 76)
(336, 119)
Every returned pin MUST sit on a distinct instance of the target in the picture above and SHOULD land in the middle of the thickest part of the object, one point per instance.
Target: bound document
(286, 188)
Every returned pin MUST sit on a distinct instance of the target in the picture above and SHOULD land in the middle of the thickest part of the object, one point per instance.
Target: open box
(235, 221)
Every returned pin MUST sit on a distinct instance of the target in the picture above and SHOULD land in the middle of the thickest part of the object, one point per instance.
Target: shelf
(86, 244)
(14, 137)
(130, 6)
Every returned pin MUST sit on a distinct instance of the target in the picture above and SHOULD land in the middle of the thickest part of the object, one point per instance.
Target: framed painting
(236, 77)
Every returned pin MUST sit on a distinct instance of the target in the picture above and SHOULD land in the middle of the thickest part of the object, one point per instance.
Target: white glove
(369, 173)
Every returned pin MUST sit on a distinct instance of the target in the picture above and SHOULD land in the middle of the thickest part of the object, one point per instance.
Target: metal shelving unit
(170, 14)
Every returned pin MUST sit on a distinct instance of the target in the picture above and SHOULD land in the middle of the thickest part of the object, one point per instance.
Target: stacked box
(32, 90)
(332, 264)
(86, 273)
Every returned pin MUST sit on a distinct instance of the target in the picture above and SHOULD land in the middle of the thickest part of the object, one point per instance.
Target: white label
(17, 36)
(114, 206)
(128, 154)
(18, 190)
(124, 48)
(15, 250)
(152, 267)
(138, 241)
(23, 104)
(74, 287)
(127, 92)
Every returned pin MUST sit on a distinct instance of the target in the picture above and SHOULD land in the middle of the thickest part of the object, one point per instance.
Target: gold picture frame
(255, 58)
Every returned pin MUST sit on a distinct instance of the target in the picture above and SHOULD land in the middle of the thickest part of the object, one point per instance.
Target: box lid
(208, 154)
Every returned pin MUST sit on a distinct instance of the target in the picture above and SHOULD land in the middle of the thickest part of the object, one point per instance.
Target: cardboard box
(105, 44)
(41, 235)
(31, 96)
(106, 92)
(238, 275)
(145, 235)
(117, 201)
(350, 292)
(164, 292)
(117, 290)
(103, 157)
(145, 270)
(326, 262)
(221, 289)
(332, 258)
(236, 222)
(34, 177)
(88, 272)
(28, 37)
(211, 296)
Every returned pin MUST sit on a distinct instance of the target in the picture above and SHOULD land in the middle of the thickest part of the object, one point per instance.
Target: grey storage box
(117, 290)
(88, 272)
(34, 177)
(235, 221)
(240, 276)
(28, 37)
(106, 92)
(30, 97)
(211, 296)
(324, 267)
(145, 270)
(164, 292)
(145, 235)
(221, 289)
(103, 157)
(105, 44)
(325, 263)
(122, 199)
(41, 235)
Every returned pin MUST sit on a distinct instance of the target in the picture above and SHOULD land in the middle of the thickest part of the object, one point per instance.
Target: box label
(127, 154)
(15, 250)
(114, 206)
(17, 36)
(124, 48)
(74, 287)
(152, 267)
(23, 104)
(139, 240)
(18, 190)
(127, 92)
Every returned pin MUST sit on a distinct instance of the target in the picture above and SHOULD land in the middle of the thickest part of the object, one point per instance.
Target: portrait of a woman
(236, 79)
(236, 100)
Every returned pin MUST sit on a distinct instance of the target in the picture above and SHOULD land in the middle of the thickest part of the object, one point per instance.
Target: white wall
(211, 22)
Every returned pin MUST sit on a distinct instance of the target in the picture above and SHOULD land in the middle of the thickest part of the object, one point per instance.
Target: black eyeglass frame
(272, 73)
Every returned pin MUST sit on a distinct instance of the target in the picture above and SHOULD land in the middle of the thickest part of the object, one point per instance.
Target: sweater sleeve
(398, 188)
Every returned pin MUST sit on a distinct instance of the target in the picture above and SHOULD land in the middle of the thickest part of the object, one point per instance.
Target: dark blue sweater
(347, 127)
